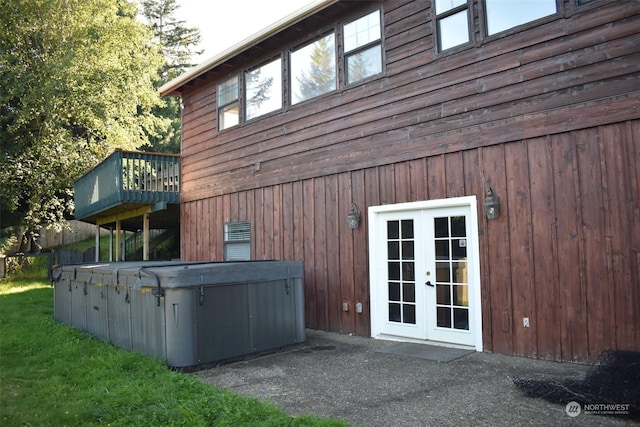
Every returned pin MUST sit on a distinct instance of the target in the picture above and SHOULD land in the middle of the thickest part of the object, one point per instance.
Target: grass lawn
(54, 375)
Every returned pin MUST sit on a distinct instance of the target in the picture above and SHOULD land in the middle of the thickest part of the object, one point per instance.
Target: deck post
(118, 240)
(110, 244)
(97, 257)
(145, 237)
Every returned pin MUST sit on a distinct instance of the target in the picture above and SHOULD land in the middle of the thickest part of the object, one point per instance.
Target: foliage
(77, 81)
(55, 375)
(28, 267)
(176, 42)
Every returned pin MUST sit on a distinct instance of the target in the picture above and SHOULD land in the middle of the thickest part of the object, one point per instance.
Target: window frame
(282, 86)
(226, 243)
(437, 17)
(290, 77)
(478, 24)
(379, 42)
(221, 107)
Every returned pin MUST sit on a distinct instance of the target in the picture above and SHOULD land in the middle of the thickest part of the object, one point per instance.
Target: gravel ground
(344, 377)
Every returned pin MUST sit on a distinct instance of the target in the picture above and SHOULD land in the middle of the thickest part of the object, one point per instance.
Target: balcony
(127, 185)
(130, 191)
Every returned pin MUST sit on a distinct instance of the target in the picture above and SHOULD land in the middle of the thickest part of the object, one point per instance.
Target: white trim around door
(424, 266)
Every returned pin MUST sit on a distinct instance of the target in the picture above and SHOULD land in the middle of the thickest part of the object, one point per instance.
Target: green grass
(54, 375)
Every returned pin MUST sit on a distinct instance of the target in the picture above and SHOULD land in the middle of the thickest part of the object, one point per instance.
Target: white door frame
(378, 318)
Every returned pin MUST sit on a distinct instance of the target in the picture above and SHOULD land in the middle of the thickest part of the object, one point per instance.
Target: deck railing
(128, 177)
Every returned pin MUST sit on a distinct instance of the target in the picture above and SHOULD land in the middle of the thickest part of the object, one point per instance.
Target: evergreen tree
(176, 42)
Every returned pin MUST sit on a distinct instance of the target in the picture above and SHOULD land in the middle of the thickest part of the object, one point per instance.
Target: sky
(224, 23)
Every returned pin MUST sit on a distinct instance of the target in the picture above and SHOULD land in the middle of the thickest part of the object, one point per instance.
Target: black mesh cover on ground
(614, 379)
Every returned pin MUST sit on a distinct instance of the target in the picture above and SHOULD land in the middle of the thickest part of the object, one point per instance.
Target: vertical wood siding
(564, 252)
(549, 118)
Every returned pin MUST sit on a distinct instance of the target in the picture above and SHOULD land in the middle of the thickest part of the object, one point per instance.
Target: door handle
(429, 283)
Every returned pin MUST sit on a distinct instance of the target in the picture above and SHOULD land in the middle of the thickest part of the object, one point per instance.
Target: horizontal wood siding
(549, 118)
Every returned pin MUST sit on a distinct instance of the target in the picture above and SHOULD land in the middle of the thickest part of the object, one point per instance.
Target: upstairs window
(263, 92)
(237, 241)
(452, 20)
(363, 47)
(228, 107)
(503, 15)
(313, 69)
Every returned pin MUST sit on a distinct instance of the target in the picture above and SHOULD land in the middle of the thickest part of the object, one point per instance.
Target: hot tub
(186, 314)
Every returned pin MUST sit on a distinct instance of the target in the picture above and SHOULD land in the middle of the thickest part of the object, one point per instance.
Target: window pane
(394, 312)
(443, 317)
(393, 250)
(234, 231)
(264, 89)
(364, 64)
(228, 116)
(453, 30)
(362, 31)
(409, 313)
(409, 292)
(394, 291)
(393, 229)
(502, 15)
(228, 91)
(444, 5)
(313, 69)
(460, 318)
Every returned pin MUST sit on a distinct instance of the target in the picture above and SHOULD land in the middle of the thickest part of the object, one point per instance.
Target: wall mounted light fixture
(492, 205)
(353, 217)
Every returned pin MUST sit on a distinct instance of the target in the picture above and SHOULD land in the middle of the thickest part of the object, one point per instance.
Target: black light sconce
(492, 205)
(353, 217)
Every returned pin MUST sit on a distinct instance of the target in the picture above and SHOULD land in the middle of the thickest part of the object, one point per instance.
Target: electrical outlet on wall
(525, 322)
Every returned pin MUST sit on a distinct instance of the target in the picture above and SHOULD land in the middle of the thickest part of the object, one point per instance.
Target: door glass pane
(394, 271)
(407, 229)
(441, 227)
(459, 249)
(442, 249)
(393, 229)
(401, 271)
(443, 272)
(443, 317)
(394, 291)
(452, 290)
(443, 294)
(460, 295)
(393, 250)
(458, 226)
(409, 313)
(407, 250)
(408, 271)
(459, 272)
(409, 292)
(394, 312)
(461, 318)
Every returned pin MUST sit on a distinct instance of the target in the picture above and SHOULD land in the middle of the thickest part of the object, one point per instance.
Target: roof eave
(172, 88)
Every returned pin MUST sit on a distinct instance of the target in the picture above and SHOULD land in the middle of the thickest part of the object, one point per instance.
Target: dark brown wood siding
(548, 117)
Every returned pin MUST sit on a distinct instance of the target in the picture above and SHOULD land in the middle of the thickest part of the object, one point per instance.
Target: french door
(425, 273)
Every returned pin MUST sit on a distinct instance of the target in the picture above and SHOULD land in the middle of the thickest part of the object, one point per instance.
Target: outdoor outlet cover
(359, 307)
(345, 306)
(525, 322)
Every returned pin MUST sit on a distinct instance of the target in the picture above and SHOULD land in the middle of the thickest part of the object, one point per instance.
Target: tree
(176, 42)
(77, 81)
